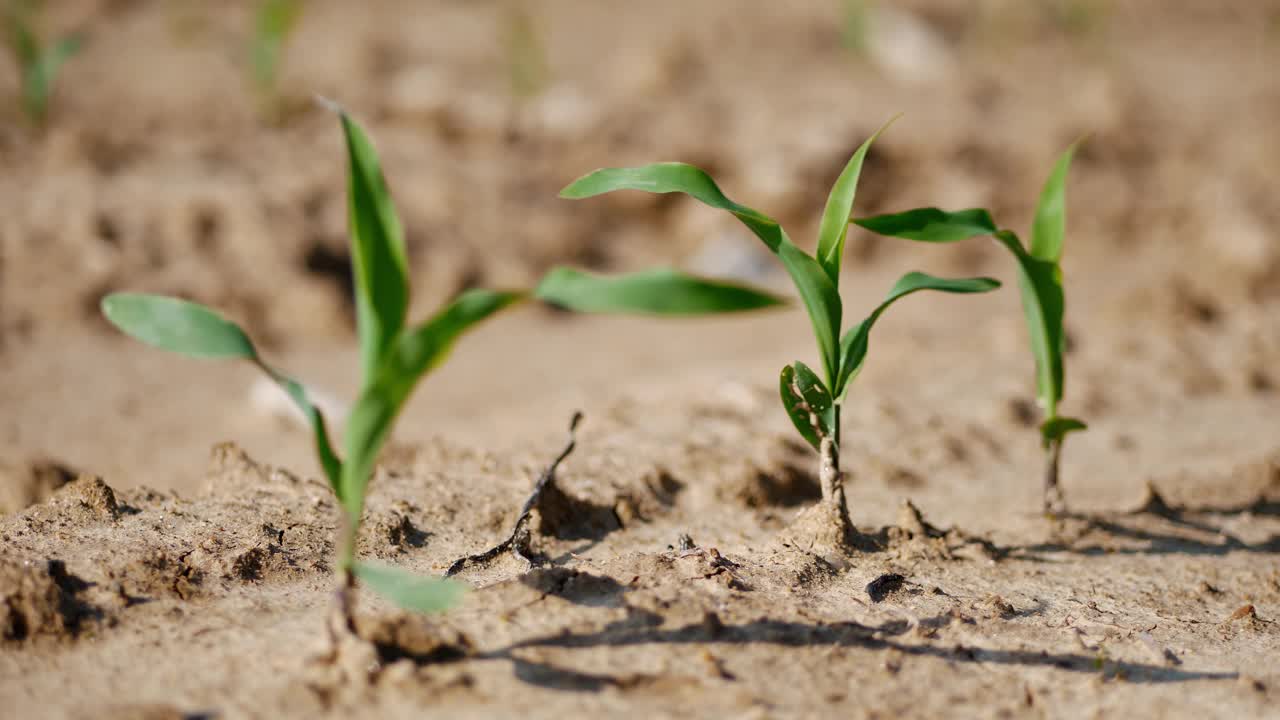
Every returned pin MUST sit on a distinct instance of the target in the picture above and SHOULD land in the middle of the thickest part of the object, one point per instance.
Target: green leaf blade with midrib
(1049, 228)
(835, 215)
(808, 403)
(378, 252)
(931, 224)
(656, 292)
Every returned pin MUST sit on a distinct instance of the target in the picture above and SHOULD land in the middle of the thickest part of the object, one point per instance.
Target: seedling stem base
(1054, 502)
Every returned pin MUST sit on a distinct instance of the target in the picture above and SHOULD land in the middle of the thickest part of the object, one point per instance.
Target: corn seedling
(1040, 280)
(528, 71)
(812, 402)
(855, 24)
(394, 357)
(273, 23)
(38, 63)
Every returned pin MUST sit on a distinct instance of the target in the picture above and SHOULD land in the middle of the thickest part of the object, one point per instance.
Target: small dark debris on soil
(1244, 612)
(997, 606)
(884, 586)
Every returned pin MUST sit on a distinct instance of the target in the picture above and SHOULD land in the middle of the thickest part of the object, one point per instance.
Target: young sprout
(528, 71)
(813, 402)
(1043, 299)
(273, 23)
(855, 25)
(393, 357)
(38, 63)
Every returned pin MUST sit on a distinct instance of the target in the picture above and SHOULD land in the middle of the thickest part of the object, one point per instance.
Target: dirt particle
(884, 586)
(414, 638)
(996, 607)
(89, 497)
(1245, 612)
(41, 599)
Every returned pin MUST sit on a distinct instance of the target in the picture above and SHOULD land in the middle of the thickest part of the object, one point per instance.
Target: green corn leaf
(409, 591)
(21, 40)
(1050, 225)
(178, 326)
(835, 217)
(932, 224)
(1058, 427)
(657, 292)
(194, 330)
(854, 344)
(41, 76)
(808, 403)
(669, 177)
(821, 299)
(414, 353)
(378, 253)
(1043, 304)
(273, 24)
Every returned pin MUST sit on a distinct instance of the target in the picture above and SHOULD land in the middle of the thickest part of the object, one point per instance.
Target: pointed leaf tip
(839, 207)
(177, 325)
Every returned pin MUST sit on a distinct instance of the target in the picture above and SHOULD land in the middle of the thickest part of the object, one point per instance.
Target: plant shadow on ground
(644, 627)
(643, 631)
(1163, 528)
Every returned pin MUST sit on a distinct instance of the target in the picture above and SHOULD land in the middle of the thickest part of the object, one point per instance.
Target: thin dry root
(517, 543)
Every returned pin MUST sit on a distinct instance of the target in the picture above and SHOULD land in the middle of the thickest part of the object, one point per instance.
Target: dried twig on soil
(518, 541)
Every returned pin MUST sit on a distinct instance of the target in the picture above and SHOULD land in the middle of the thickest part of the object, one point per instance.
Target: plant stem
(829, 476)
(1053, 500)
(343, 621)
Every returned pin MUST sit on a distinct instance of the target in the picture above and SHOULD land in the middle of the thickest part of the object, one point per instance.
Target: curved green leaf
(1043, 304)
(414, 353)
(808, 403)
(835, 216)
(854, 344)
(194, 330)
(821, 299)
(1050, 224)
(21, 41)
(178, 326)
(1058, 427)
(659, 292)
(932, 224)
(378, 254)
(669, 177)
(409, 591)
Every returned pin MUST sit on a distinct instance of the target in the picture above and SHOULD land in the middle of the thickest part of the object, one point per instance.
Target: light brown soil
(144, 574)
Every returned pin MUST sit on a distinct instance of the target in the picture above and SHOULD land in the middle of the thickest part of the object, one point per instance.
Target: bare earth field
(166, 539)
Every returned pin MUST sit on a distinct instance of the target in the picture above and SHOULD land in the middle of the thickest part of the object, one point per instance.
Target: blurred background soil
(158, 171)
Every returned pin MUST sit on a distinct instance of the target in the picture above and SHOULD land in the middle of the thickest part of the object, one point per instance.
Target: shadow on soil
(1160, 528)
(789, 634)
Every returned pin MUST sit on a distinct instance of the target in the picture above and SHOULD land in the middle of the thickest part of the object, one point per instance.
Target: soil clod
(884, 586)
